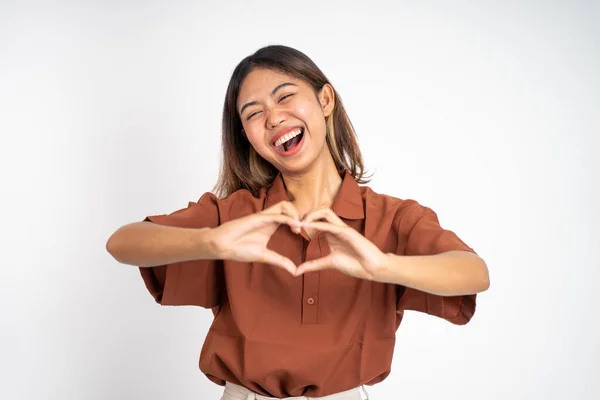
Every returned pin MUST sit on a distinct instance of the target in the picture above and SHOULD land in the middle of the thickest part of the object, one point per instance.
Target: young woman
(307, 273)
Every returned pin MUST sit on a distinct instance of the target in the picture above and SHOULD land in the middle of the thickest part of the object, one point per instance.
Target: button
(310, 301)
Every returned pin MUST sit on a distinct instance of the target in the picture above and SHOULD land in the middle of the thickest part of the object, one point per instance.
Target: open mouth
(290, 141)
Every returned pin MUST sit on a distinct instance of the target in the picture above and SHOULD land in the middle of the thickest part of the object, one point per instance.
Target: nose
(275, 118)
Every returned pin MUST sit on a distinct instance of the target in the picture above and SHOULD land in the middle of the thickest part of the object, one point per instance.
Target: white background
(486, 112)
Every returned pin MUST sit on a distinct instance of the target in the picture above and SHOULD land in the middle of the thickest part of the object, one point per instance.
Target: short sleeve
(195, 282)
(420, 233)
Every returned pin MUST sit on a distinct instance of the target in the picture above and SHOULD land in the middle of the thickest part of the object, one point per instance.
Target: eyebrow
(272, 94)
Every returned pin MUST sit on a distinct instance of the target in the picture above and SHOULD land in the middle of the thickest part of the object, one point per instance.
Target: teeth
(287, 137)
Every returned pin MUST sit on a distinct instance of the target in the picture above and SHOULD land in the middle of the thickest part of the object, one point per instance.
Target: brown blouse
(316, 334)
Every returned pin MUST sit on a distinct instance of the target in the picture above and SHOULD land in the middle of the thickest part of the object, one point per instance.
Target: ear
(327, 99)
(244, 133)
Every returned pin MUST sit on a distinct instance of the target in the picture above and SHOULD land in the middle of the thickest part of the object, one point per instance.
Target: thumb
(273, 258)
(315, 265)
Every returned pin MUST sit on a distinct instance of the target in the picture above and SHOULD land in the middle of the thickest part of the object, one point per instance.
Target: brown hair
(241, 166)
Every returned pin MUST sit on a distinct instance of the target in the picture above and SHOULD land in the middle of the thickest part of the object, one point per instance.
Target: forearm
(147, 244)
(447, 274)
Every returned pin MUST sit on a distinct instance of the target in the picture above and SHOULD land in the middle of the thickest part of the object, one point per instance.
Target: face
(284, 120)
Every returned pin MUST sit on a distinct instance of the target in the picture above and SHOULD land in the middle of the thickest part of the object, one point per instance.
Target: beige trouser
(236, 392)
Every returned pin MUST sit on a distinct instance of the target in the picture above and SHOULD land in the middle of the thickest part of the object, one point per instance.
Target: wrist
(384, 269)
(207, 243)
(391, 269)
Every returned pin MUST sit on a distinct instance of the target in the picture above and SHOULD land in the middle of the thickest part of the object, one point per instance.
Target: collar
(348, 202)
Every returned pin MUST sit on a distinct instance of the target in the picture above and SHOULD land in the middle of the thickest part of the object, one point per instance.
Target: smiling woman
(272, 92)
(308, 274)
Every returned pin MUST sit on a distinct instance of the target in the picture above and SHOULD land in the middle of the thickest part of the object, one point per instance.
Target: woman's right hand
(245, 239)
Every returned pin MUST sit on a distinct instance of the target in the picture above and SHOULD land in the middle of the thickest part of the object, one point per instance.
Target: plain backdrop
(487, 112)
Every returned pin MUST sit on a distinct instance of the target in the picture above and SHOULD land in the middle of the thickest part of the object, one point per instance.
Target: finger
(273, 258)
(281, 219)
(315, 265)
(285, 208)
(325, 214)
(288, 208)
(292, 222)
(325, 227)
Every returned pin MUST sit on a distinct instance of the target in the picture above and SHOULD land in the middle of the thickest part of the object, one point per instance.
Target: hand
(245, 239)
(351, 253)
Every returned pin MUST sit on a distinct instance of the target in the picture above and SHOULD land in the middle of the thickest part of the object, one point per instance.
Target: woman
(307, 273)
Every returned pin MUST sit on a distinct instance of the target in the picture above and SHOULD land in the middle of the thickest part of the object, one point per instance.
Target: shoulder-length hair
(241, 166)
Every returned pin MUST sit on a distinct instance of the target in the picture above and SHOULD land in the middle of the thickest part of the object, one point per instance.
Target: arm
(451, 273)
(146, 244)
(189, 235)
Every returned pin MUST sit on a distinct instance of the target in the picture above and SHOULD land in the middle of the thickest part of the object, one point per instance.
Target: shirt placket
(310, 287)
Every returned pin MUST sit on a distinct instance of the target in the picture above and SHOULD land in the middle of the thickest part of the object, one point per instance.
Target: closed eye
(285, 97)
(252, 115)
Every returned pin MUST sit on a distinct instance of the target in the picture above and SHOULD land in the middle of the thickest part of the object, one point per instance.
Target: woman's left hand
(351, 253)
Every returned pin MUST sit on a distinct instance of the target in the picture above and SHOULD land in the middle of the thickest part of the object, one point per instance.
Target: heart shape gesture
(245, 239)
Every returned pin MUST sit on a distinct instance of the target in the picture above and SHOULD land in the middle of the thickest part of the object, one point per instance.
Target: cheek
(312, 115)
(257, 141)
(253, 131)
(306, 109)
(254, 138)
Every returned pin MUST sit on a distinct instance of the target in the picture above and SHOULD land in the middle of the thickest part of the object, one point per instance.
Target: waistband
(237, 392)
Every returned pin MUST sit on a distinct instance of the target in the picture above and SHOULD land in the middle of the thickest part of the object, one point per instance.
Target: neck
(314, 188)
